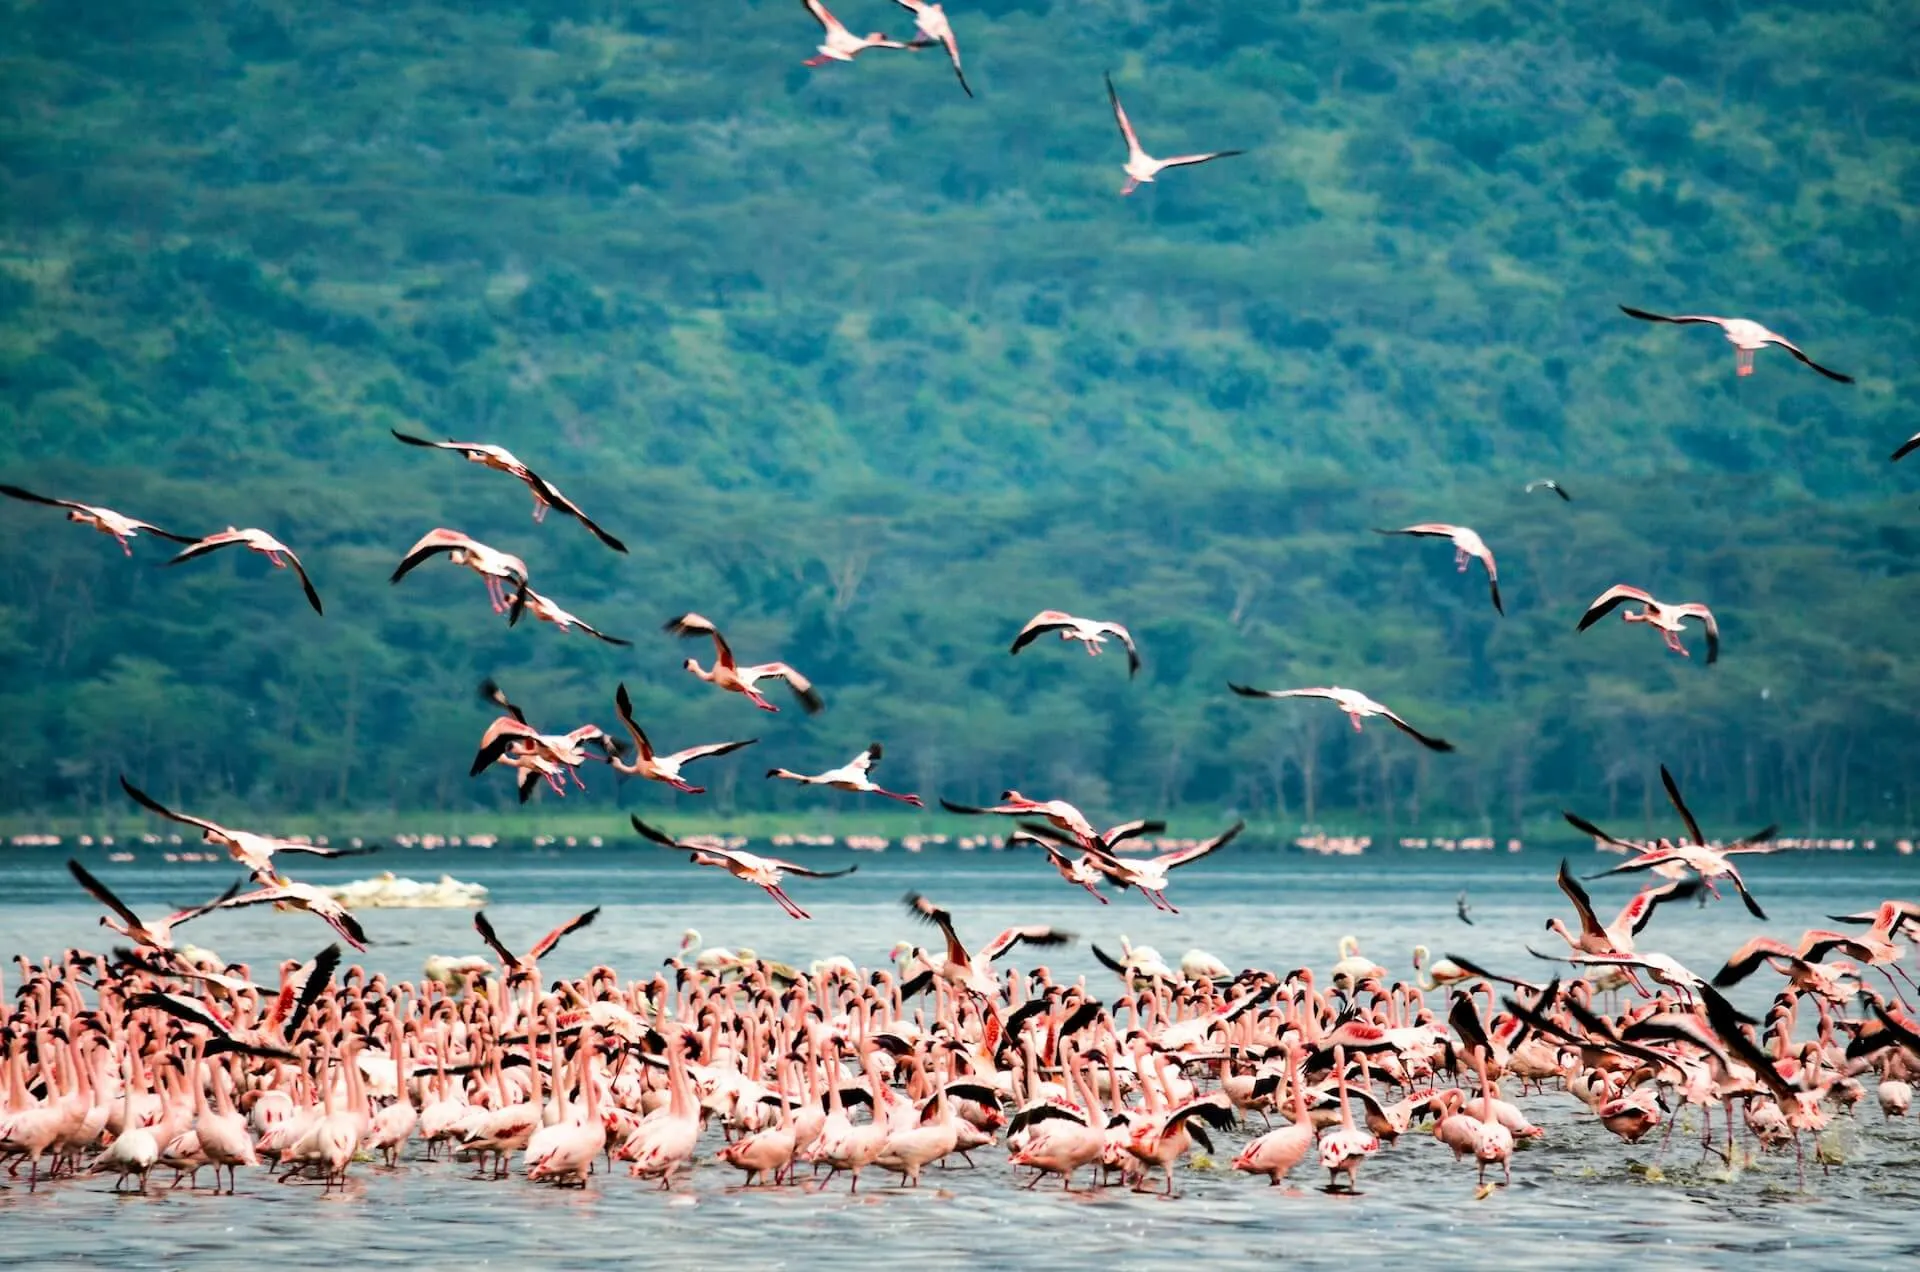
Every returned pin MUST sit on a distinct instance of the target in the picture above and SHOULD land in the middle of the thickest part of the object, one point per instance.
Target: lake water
(1577, 1198)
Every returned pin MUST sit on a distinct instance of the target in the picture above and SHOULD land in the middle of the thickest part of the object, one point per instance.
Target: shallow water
(1576, 1198)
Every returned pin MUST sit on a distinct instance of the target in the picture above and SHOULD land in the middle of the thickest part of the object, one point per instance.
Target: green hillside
(869, 372)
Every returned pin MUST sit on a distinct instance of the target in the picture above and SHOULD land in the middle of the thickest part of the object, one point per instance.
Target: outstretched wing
(1182, 857)
(623, 707)
(550, 494)
(1582, 903)
(1039, 625)
(1782, 342)
(306, 584)
(485, 929)
(552, 938)
(1427, 740)
(660, 837)
(152, 805)
(1905, 449)
(1126, 638)
(1034, 934)
(691, 625)
(103, 894)
(30, 497)
(1680, 806)
(1682, 319)
(1605, 603)
(1120, 118)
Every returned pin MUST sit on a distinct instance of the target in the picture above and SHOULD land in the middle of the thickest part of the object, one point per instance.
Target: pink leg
(124, 545)
(1356, 722)
(278, 564)
(759, 701)
(1743, 361)
(679, 785)
(558, 782)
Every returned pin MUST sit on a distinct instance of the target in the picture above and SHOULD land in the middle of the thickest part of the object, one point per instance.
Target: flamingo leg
(539, 509)
(758, 700)
(124, 545)
(1743, 365)
(1355, 717)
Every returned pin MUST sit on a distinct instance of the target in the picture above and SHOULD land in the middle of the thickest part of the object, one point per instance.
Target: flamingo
(1091, 632)
(763, 872)
(157, 935)
(1549, 483)
(1617, 936)
(255, 852)
(543, 608)
(120, 526)
(841, 45)
(1357, 706)
(492, 565)
(1149, 874)
(970, 971)
(1057, 812)
(661, 768)
(1277, 1152)
(258, 541)
(1746, 336)
(1079, 871)
(853, 776)
(931, 21)
(304, 896)
(1668, 620)
(528, 966)
(1141, 167)
(1467, 545)
(1344, 1147)
(545, 494)
(729, 675)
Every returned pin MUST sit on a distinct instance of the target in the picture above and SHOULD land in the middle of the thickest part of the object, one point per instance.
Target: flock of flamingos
(159, 1056)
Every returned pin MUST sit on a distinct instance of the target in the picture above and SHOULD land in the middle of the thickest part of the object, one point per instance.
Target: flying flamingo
(259, 541)
(1056, 811)
(1092, 632)
(729, 675)
(763, 872)
(1550, 484)
(1466, 545)
(661, 768)
(1150, 874)
(255, 852)
(528, 965)
(931, 20)
(1075, 870)
(547, 612)
(1357, 706)
(1141, 167)
(971, 972)
(1668, 620)
(304, 896)
(1746, 336)
(1617, 936)
(157, 935)
(854, 775)
(1695, 855)
(841, 45)
(106, 520)
(545, 494)
(496, 567)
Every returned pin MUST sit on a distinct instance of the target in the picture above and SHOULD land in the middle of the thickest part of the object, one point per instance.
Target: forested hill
(869, 372)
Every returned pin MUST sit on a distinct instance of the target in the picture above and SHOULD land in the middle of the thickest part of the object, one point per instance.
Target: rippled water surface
(1580, 1198)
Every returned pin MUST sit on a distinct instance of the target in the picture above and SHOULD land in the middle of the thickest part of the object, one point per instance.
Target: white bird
(1746, 336)
(255, 852)
(763, 872)
(1091, 632)
(545, 494)
(1141, 167)
(1197, 964)
(853, 776)
(1466, 545)
(654, 767)
(259, 541)
(1357, 706)
(547, 612)
(1149, 874)
(1550, 484)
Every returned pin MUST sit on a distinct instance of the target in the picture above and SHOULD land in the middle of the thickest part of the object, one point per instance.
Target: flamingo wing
(1605, 603)
(430, 545)
(306, 584)
(211, 543)
(1582, 903)
(623, 707)
(103, 894)
(788, 867)
(551, 939)
(660, 837)
(30, 497)
(1905, 449)
(550, 494)
(1682, 319)
(465, 448)
(1120, 117)
(1185, 855)
(864, 762)
(1033, 934)
(1638, 912)
(1680, 806)
(810, 700)
(1039, 625)
(1581, 824)
(1694, 609)
(1794, 349)
(1187, 161)
(1126, 638)
(1552, 485)
(195, 911)
(824, 18)
(313, 982)
(1245, 692)
(153, 805)
(928, 912)
(691, 625)
(693, 753)
(1430, 742)
(1130, 830)
(487, 934)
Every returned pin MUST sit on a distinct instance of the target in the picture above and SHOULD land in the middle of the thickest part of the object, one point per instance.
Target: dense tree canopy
(869, 372)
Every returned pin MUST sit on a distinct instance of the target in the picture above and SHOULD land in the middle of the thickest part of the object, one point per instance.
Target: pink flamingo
(105, 520)
(729, 675)
(258, 541)
(854, 776)
(1746, 336)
